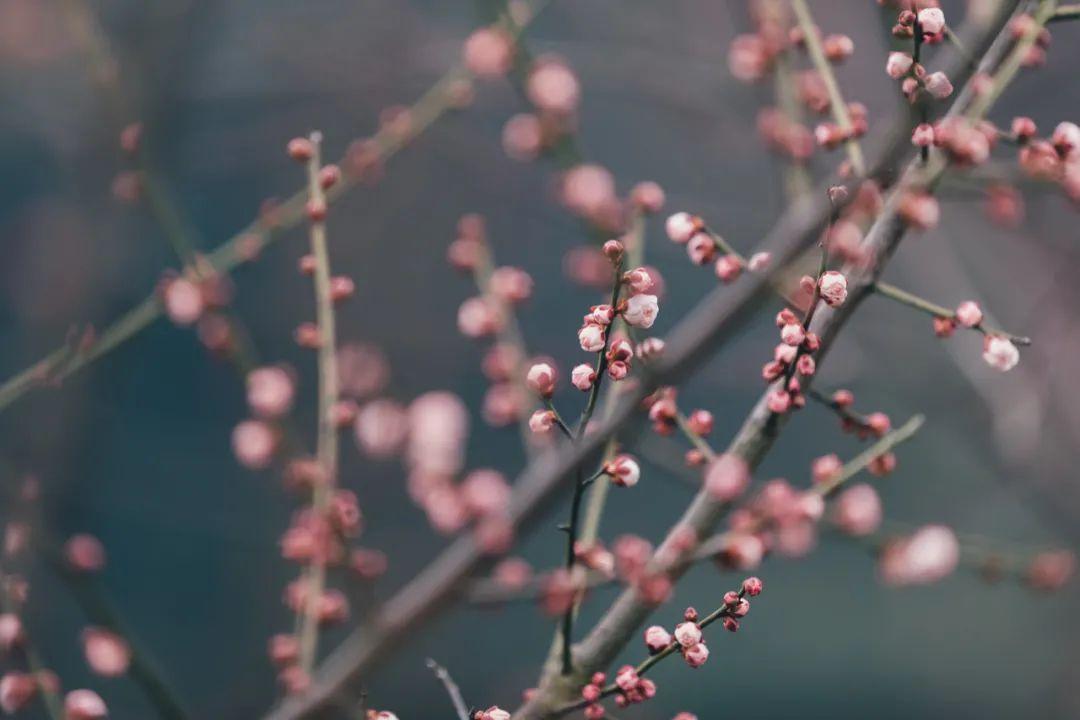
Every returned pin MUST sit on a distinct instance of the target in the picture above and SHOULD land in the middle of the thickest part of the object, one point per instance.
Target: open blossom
(624, 471)
(582, 377)
(1000, 353)
(641, 311)
(639, 280)
(793, 334)
(931, 20)
(541, 379)
(833, 288)
(969, 314)
(898, 64)
(1066, 139)
(591, 337)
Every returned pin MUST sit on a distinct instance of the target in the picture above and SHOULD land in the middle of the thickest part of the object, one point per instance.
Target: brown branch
(716, 318)
(761, 427)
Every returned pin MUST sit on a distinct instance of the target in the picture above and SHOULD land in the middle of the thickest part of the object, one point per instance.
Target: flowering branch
(705, 328)
(246, 245)
(452, 689)
(327, 442)
(967, 314)
(837, 105)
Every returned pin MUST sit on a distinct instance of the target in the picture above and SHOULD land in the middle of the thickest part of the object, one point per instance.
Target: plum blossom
(641, 311)
(1000, 353)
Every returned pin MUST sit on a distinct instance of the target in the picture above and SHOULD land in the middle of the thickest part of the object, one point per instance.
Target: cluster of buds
(486, 315)
(663, 410)
(829, 135)
(965, 143)
(791, 358)
(703, 247)
(929, 26)
(1054, 159)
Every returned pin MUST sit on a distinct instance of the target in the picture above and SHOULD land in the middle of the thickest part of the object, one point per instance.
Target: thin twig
(837, 105)
(452, 689)
(58, 365)
(327, 443)
(934, 310)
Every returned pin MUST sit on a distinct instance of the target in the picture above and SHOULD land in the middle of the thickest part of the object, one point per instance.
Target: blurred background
(136, 448)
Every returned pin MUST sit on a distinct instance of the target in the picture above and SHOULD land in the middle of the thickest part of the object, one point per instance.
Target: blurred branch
(244, 246)
(837, 105)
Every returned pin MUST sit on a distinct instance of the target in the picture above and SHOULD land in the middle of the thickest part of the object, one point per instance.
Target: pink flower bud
(638, 280)
(825, 468)
(701, 248)
(648, 197)
(381, 427)
(542, 421)
(253, 443)
(923, 135)
(641, 311)
(553, 87)
(931, 20)
(969, 314)
(510, 284)
(728, 268)
(938, 85)
(1000, 354)
(478, 317)
(792, 334)
(11, 631)
(806, 365)
(727, 477)
(582, 377)
(613, 250)
(183, 301)
(84, 705)
(681, 227)
(16, 691)
(752, 586)
(838, 47)
(624, 471)
(944, 327)
(541, 379)
(857, 510)
(898, 65)
(688, 634)
(269, 391)
(106, 653)
(700, 422)
(1066, 139)
(928, 555)
(779, 401)
(488, 52)
(833, 288)
(1051, 570)
(84, 553)
(759, 261)
(591, 337)
(920, 210)
(657, 638)
(697, 655)
(618, 369)
(300, 149)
